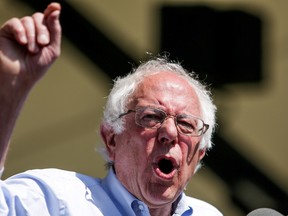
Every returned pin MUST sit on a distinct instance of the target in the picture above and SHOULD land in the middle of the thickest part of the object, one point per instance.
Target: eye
(186, 125)
(150, 117)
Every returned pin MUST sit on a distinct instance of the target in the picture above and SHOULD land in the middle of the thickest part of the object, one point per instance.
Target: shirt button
(141, 207)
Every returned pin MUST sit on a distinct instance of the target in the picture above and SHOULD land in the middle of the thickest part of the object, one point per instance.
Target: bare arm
(28, 47)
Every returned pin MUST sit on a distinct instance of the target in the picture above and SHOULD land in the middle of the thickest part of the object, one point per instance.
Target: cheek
(132, 149)
(125, 162)
(190, 152)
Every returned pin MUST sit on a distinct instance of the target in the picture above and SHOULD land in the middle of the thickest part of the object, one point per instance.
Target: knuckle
(26, 19)
(15, 25)
(37, 15)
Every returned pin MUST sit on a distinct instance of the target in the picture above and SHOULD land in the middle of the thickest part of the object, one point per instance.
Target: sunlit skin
(136, 150)
(28, 47)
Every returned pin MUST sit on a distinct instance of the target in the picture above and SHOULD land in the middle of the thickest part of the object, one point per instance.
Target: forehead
(169, 91)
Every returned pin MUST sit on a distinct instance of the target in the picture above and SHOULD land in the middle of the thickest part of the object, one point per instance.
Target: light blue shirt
(58, 192)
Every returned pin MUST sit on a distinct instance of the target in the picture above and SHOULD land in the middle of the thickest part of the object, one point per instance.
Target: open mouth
(165, 167)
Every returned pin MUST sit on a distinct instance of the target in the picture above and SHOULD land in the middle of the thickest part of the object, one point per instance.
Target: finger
(14, 28)
(52, 14)
(42, 33)
(52, 7)
(30, 30)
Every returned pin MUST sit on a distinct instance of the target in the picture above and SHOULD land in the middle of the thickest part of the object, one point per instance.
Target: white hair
(124, 87)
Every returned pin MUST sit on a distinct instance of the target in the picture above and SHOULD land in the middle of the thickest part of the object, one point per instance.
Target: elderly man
(157, 127)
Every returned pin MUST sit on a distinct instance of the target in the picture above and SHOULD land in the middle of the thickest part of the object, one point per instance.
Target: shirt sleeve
(25, 194)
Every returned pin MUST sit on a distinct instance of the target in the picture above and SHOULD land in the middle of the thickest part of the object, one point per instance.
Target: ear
(201, 153)
(108, 137)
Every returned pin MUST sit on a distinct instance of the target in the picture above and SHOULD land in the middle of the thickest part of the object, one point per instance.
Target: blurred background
(239, 47)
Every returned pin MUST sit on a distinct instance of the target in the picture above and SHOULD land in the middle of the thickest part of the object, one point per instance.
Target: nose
(168, 133)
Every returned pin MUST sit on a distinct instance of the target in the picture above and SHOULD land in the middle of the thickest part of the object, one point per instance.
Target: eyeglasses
(150, 117)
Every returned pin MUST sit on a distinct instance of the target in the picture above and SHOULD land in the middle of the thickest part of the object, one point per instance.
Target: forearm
(10, 107)
(28, 47)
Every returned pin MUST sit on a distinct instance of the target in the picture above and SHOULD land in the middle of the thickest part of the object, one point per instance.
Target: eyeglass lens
(149, 117)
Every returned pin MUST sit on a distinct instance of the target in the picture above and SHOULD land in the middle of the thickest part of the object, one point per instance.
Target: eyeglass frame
(202, 129)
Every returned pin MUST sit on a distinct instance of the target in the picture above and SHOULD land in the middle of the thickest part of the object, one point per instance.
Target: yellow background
(58, 126)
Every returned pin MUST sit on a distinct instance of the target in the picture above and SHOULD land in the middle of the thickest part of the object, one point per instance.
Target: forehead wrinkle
(163, 89)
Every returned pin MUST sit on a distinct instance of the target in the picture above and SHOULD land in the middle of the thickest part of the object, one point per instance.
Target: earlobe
(108, 137)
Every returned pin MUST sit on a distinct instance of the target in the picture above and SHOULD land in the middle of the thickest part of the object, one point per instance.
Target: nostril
(163, 140)
(166, 141)
(167, 133)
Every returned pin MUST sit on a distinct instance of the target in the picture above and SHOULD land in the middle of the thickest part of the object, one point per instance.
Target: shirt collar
(180, 207)
(122, 198)
(129, 204)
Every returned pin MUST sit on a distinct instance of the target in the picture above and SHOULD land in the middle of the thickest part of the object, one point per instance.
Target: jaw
(163, 186)
(160, 197)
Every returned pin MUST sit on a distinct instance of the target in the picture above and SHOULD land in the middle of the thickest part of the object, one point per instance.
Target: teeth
(165, 165)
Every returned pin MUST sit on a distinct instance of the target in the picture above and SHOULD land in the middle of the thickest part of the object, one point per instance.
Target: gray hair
(124, 87)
